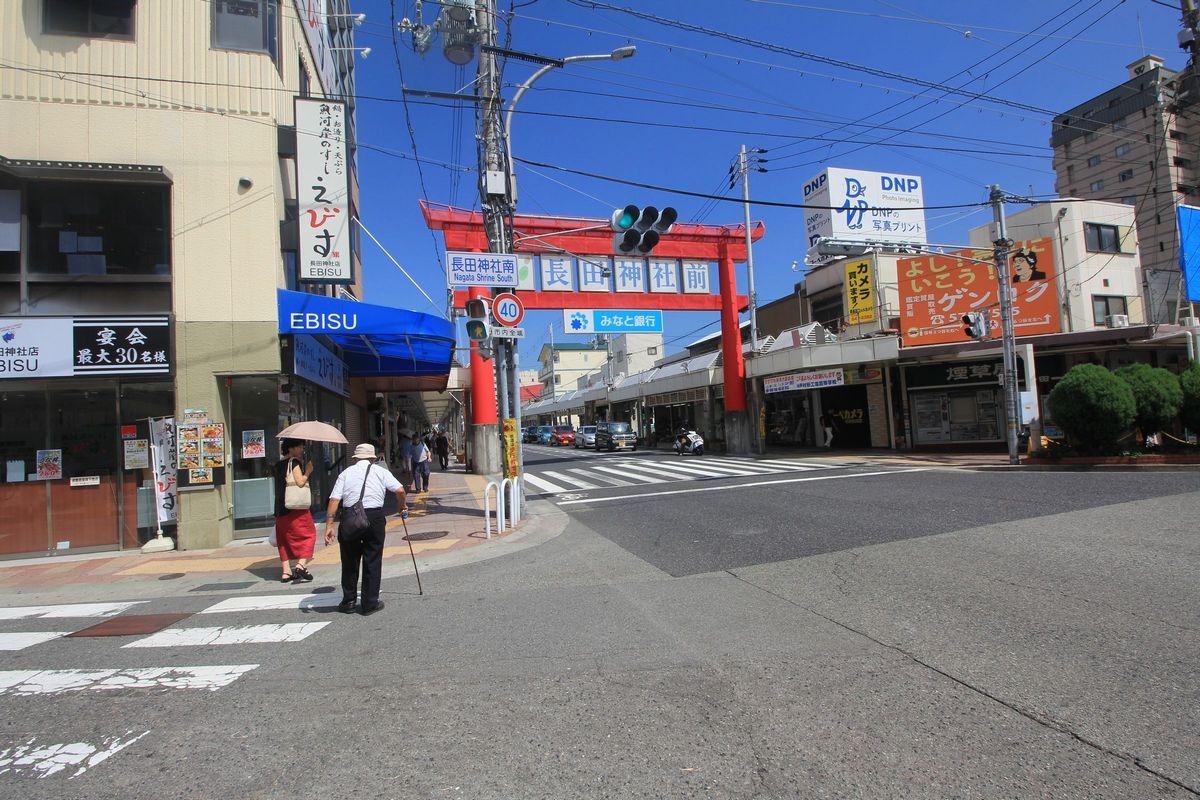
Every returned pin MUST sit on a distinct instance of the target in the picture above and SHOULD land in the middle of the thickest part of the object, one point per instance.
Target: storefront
(793, 404)
(74, 430)
(954, 402)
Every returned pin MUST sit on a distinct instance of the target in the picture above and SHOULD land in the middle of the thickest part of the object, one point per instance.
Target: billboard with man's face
(936, 290)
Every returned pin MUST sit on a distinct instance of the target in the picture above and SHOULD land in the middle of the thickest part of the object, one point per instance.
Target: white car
(585, 437)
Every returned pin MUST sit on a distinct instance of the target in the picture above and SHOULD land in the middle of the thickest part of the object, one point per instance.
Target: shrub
(1093, 406)
(1156, 393)
(1189, 381)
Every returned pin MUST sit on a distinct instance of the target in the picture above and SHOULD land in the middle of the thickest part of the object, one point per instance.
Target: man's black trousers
(368, 550)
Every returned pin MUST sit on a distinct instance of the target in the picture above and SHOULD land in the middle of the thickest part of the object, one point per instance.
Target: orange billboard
(936, 290)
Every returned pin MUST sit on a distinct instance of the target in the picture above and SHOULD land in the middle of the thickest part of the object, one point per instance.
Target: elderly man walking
(371, 483)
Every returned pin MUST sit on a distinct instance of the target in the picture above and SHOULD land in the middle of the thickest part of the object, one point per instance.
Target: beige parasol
(313, 431)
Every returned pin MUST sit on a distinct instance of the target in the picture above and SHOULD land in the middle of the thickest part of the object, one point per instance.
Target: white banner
(323, 185)
(861, 206)
(61, 347)
(799, 381)
(165, 464)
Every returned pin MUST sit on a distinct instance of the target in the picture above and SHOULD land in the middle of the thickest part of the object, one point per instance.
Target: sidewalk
(445, 526)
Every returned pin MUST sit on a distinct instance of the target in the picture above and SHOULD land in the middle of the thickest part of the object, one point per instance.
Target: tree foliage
(1156, 393)
(1189, 382)
(1093, 406)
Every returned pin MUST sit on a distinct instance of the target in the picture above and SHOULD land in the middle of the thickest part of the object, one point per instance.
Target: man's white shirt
(350, 483)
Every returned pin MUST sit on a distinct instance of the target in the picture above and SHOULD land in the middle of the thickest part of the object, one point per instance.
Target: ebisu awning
(377, 341)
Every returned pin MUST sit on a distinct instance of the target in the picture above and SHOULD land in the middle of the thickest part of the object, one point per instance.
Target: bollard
(514, 502)
(487, 509)
(512, 516)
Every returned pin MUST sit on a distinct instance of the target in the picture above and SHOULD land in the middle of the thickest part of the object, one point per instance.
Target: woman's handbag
(296, 498)
(354, 517)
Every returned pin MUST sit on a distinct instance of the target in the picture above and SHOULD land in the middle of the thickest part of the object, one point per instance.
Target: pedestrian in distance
(370, 482)
(441, 445)
(295, 533)
(420, 464)
(406, 475)
(827, 427)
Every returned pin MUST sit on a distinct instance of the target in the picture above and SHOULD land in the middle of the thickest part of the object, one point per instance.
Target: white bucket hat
(364, 451)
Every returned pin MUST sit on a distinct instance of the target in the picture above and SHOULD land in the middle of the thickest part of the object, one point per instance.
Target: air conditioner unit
(1117, 320)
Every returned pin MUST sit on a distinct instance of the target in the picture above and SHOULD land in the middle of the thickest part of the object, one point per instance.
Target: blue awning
(378, 341)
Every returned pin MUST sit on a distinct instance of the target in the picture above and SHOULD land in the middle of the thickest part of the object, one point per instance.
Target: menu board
(202, 454)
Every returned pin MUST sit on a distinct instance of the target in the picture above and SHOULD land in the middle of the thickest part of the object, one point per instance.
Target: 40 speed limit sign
(508, 309)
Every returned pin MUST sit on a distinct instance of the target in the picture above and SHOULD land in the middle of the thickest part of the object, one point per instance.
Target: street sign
(508, 333)
(508, 309)
(608, 320)
(480, 269)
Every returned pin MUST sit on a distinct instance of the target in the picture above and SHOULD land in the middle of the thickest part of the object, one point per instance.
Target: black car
(530, 435)
(615, 436)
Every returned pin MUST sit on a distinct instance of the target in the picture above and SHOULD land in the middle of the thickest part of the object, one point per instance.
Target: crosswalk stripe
(246, 634)
(66, 611)
(692, 471)
(19, 641)
(544, 485)
(783, 462)
(720, 469)
(62, 681)
(607, 480)
(275, 602)
(626, 474)
(577, 483)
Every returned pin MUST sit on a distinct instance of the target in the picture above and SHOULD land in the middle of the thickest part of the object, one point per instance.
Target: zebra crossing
(617, 472)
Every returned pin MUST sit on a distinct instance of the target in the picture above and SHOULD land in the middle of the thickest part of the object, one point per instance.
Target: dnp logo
(904, 184)
(815, 185)
(855, 207)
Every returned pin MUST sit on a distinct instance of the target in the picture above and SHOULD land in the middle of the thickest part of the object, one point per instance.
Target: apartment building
(1137, 144)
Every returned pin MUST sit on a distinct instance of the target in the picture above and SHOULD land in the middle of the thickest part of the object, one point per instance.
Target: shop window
(102, 19)
(1101, 238)
(10, 231)
(1126, 175)
(1178, 136)
(251, 26)
(1096, 186)
(97, 229)
(1104, 306)
(1130, 200)
(651, 351)
(254, 408)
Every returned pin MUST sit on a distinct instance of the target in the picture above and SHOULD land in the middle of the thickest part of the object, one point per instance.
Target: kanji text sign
(59, 347)
(594, 320)
(481, 269)
(324, 188)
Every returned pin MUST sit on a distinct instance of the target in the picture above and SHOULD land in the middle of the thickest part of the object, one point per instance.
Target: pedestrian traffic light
(640, 229)
(975, 324)
(479, 323)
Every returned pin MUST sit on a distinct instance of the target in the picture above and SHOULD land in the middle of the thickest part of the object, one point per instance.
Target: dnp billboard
(859, 206)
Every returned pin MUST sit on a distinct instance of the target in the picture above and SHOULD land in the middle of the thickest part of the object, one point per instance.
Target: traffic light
(975, 324)
(640, 229)
(479, 324)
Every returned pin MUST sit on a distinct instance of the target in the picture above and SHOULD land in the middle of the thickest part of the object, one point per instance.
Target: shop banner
(323, 183)
(315, 362)
(860, 292)
(937, 290)
(164, 463)
(800, 381)
(509, 431)
(65, 347)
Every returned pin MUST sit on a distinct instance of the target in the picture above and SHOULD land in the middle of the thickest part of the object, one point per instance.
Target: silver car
(585, 437)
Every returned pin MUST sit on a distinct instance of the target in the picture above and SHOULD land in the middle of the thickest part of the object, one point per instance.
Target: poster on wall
(937, 290)
(164, 464)
(254, 444)
(201, 452)
(137, 453)
(49, 465)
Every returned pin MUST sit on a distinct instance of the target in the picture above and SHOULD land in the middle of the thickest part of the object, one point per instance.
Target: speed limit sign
(508, 309)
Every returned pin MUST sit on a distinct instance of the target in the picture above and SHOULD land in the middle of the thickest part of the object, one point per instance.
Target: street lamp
(362, 51)
(616, 55)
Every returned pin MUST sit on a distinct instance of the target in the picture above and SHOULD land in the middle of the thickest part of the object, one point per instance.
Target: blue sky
(676, 114)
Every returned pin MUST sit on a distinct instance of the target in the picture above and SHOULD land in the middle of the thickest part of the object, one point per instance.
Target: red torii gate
(726, 244)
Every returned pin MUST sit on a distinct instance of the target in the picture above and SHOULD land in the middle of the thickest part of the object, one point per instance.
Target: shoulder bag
(295, 498)
(354, 517)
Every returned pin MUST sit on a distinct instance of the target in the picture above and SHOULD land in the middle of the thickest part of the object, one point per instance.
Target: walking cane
(420, 591)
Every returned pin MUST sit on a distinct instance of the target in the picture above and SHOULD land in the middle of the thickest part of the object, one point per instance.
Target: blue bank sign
(610, 320)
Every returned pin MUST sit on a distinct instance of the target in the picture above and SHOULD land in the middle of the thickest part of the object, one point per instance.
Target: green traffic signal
(623, 218)
(477, 330)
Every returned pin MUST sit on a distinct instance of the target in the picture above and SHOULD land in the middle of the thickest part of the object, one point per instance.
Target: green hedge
(1093, 407)
(1189, 381)
(1156, 394)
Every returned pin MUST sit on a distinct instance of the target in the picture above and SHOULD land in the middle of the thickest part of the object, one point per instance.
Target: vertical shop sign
(860, 292)
(512, 467)
(324, 188)
(164, 463)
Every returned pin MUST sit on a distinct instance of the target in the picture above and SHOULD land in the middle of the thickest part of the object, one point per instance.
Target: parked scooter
(689, 442)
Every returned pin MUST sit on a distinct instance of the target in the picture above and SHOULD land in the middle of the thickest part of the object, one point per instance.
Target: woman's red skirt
(296, 534)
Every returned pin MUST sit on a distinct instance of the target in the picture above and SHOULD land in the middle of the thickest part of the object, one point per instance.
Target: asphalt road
(938, 633)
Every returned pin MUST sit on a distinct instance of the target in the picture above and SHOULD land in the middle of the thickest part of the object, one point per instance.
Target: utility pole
(744, 169)
(494, 191)
(1190, 33)
(1007, 337)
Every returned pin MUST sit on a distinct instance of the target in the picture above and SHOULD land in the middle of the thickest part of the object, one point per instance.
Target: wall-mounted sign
(608, 320)
(482, 269)
(800, 381)
(85, 480)
(860, 292)
(315, 362)
(63, 347)
(323, 183)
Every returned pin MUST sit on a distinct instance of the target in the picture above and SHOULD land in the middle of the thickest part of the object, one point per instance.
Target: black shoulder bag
(354, 517)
